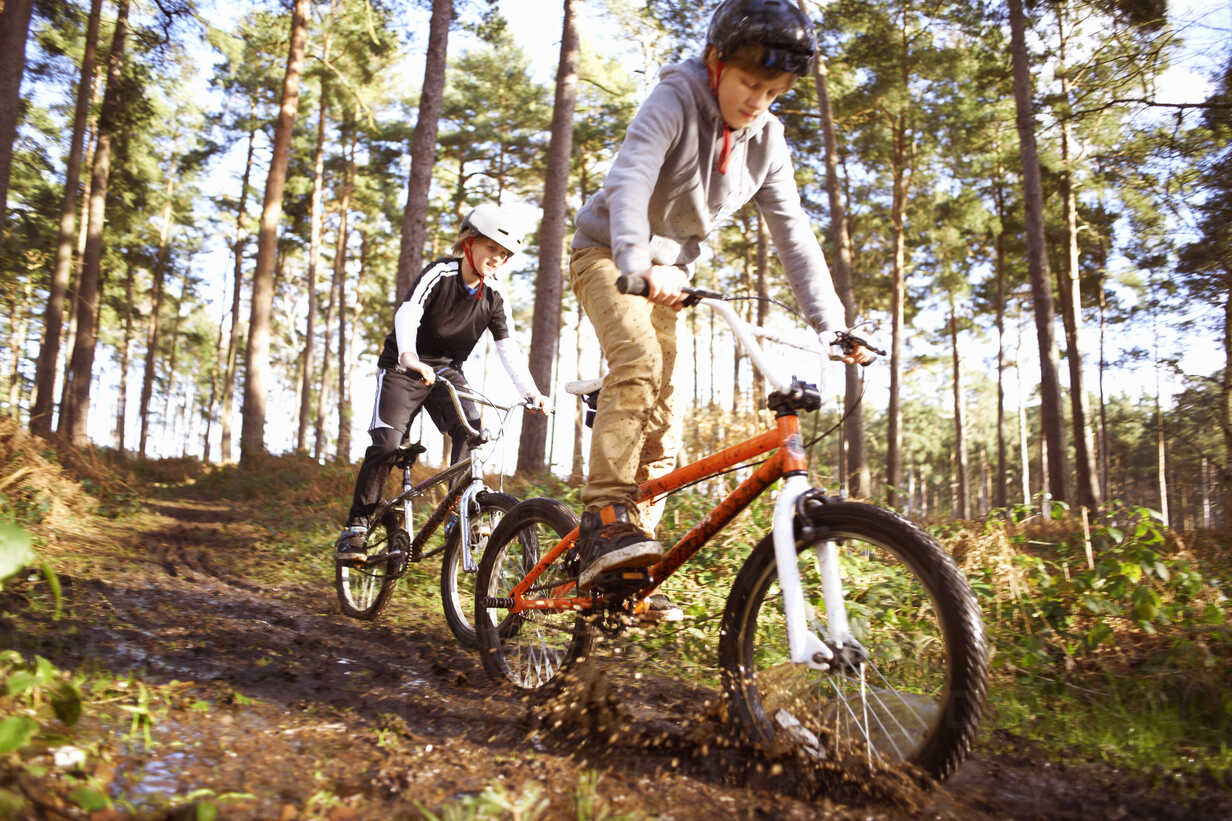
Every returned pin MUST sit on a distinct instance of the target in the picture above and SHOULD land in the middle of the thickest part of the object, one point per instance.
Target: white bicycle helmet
(497, 223)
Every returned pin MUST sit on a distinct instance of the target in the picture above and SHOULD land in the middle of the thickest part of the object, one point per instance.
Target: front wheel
(457, 583)
(915, 693)
(533, 648)
(364, 587)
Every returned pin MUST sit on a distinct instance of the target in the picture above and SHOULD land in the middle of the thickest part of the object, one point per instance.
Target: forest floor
(262, 701)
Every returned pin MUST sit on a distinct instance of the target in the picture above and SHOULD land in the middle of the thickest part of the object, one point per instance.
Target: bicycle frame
(789, 462)
(459, 496)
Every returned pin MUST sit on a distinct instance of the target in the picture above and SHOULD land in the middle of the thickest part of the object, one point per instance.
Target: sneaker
(350, 544)
(658, 608)
(607, 540)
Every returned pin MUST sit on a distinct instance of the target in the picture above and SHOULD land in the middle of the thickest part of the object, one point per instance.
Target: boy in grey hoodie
(701, 146)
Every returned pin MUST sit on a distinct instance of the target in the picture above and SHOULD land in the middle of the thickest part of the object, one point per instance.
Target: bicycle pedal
(621, 582)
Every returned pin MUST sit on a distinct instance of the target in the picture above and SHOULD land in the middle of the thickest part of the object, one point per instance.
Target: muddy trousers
(636, 433)
(399, 398)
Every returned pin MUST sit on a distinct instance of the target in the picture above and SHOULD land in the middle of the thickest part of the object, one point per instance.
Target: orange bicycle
(847, 631)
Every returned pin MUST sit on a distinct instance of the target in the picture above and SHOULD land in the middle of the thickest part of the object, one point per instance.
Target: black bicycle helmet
(778, 25)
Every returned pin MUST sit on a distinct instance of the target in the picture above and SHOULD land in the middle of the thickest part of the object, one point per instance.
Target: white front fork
(805, 646)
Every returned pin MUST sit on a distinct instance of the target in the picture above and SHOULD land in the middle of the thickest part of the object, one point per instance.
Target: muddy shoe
(350, 545)
(608, 541)
(658, 608)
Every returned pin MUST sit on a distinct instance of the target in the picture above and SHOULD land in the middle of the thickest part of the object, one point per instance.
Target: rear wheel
(915, 693)
(458, 583)
(364, 587)
(533, 648)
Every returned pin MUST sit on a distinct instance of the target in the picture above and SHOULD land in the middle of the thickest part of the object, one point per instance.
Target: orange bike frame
(788, 458)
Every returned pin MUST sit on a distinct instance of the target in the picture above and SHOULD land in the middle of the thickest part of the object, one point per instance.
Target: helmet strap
(466, 250)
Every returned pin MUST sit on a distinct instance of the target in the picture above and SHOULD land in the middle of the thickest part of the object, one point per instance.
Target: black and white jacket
(441, 321)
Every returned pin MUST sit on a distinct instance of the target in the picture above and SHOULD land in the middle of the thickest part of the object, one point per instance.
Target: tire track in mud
(191, 597)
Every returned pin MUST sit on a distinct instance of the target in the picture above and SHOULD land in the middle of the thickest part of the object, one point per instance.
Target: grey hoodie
(664, 194)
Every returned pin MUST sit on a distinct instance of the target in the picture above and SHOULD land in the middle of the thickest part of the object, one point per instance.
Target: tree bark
(125, 349)
(314, 259)
(423, 147)
(857, 478)
(1086, 491)
(1037, 260)
(256, 359)
(545, 324)
(343, 451)
(961, 509)
(153, 325)
(53, 317)
(237, 289)
(14, 29)
(81, 365)
(894, 435)
(1000, 496)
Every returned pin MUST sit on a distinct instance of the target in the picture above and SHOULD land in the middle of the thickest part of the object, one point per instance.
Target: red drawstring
(466, 249)
(715, 72)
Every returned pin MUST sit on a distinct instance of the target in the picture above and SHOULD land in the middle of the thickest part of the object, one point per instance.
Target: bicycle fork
(805, 646)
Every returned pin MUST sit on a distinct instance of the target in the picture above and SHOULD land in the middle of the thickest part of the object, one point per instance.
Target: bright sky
(536, 26)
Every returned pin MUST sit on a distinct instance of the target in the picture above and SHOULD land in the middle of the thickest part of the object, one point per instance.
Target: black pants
(398, 398)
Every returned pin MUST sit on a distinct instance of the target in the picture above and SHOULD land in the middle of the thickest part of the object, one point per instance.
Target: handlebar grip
(633, 284)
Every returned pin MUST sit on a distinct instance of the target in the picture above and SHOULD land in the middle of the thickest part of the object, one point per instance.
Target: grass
(1125, 662)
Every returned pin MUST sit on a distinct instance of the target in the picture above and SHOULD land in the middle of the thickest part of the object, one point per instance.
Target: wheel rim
(888, 708)
(535, 644)
(462, 581)
(362, 586)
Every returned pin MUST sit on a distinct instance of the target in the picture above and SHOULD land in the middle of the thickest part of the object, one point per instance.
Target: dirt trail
(298, 712)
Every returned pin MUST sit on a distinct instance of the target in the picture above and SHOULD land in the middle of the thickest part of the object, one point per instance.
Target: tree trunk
(19, 318)
(125, 349)
(153, 325)
(53, 317)
(237, 289)
(577, 472)
(894, 435)
(314, 258)
(763, 304)
(423, 147)
(856, 476)
(1024, 452)
(1037, 260)
(961, 509)
(545, 324)
(14, 28)
(1226, 397)
(999, 495)
(318, 438)
(173, 354)
(1086, 492)
(81, 366)
(1103, 404)
(343, 451)
(256, 359)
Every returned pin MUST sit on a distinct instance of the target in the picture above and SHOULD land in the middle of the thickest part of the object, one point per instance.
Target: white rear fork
(805, 646)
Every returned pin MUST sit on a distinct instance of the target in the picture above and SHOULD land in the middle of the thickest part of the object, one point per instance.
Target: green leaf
(15, 550)
(1116, 534)
(66, 701)
(89, 799)
(20, 682)
(16, 732)
(1131, 571)
(1146, 604)
(10, 804)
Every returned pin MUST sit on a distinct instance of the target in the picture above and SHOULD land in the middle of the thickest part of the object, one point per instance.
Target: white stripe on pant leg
(377, 421)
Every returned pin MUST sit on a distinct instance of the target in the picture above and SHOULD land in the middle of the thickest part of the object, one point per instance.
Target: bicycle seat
(411, 448)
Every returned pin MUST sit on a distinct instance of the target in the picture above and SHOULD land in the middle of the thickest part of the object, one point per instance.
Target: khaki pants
(636, 433)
